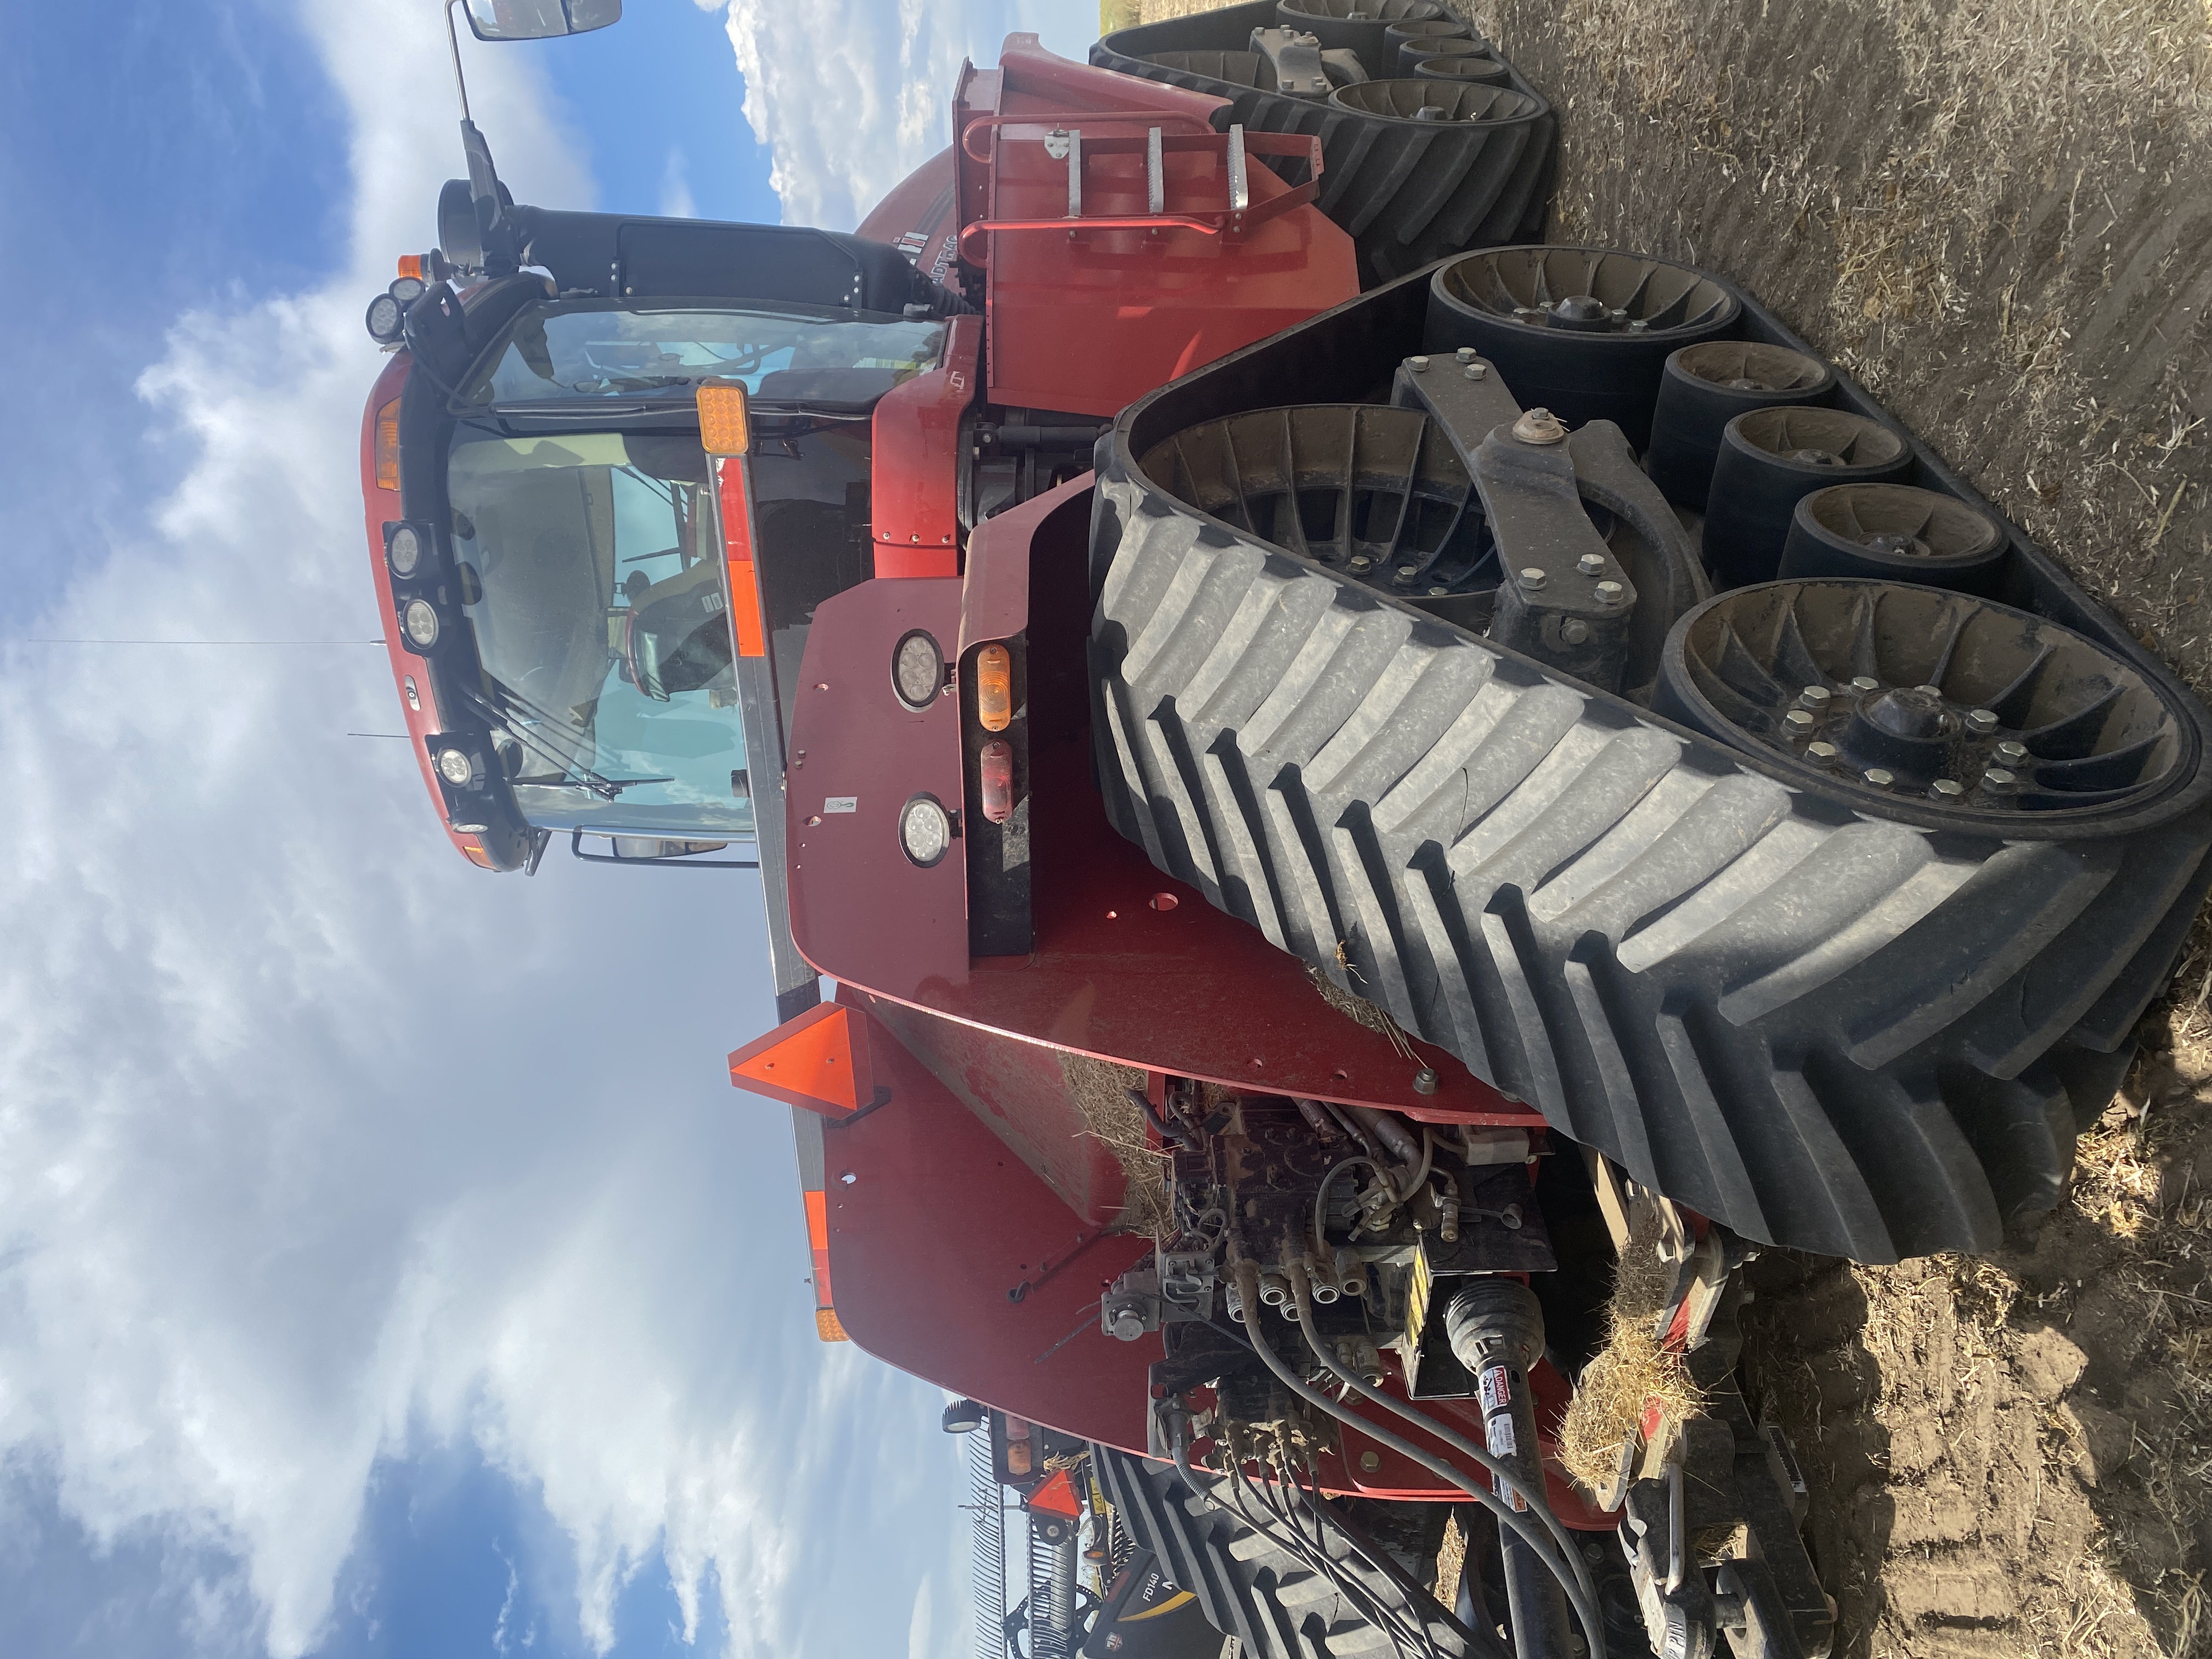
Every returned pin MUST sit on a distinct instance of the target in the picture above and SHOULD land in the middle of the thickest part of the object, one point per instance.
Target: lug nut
(1981, 722)
(1359, 563)
(1946, 789)
(1824, 753)
(1591, 564)
(1800, 723)
(1999, 781)
(1405, 573)
(1611, 592)
(1879, 776)
(1418, 364)
(1532, 576)
(2011, 753)
(1814, 698)
(1863, 682)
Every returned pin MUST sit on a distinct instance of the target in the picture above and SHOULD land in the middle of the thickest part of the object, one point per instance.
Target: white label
(1498, 1432)
(841, 804)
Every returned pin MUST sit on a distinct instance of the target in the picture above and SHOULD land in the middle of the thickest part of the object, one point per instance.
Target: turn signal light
(387, 445)
(994, 688)
(996, 785)
(724, 420)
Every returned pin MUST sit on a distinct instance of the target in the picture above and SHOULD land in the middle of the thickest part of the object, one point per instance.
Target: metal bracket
(1294, 57)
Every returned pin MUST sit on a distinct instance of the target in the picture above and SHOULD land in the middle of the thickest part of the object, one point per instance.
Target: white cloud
(312, 1137)
(676, 198)
(852, 95)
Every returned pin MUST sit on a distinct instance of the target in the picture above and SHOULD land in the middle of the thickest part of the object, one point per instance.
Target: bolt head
(1418, 364)
(1822, 752)
(1540, 427)
(1360, 561)
(1574, 630)
(1424, 1081)
(1532, 576)
(1369, 1461)
(1465, 353)
(1591, 564)
(1946, 789)
(2011, 753)
(1611, 593)
(1408, 572)
(1879, 776)
(1800, 722)
(1981, 722)
(1477, 371)
(1814, 698)
(1998, 780)
(1865, 682)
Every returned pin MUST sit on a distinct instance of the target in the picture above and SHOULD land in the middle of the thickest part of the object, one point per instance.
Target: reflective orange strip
(744, 579)
(817, 1236)
(387, 445)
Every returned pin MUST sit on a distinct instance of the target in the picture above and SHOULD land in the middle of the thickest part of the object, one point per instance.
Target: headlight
(925, 830)
(386, 319)
(419, 620)
(408, 289)
(917, 669)
(402, 547)
(456, 768)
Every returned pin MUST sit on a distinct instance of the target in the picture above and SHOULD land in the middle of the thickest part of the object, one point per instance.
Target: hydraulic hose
(1570, 1574)
(1509, 1483)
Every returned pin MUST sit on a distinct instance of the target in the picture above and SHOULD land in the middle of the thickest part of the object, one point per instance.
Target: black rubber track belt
(1824, 1030)
(1407, 192)
(1275, 1605)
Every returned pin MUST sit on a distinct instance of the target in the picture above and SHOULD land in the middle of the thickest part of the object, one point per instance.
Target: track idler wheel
(1584, 333)
(1976, 711)
(1376, 494)
(1769, 460)
(1396, 37)
(1705, 387)
(1891, 533)
(1357, 26)
(1435, 101)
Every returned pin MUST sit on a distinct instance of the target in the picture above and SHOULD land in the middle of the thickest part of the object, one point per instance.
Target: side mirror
(539, 19)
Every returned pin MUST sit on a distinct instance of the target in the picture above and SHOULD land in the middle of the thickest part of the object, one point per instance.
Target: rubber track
(1407, 192)
(1273, 1604)
(1828, 1031)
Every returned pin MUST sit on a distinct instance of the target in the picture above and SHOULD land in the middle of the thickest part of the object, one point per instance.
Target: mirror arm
(461, 85)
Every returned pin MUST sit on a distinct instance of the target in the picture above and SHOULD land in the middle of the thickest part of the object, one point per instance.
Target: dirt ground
(1997, 214)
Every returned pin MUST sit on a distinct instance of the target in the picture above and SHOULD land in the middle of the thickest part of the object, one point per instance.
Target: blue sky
(386, 1266)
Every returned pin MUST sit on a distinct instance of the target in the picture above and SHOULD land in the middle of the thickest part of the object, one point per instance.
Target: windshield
(591, 572)
(600, 349)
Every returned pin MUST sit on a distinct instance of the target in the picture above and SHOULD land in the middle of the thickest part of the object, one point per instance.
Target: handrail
(1059, 119)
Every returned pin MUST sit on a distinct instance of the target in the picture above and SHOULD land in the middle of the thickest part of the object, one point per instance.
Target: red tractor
(1367, 786)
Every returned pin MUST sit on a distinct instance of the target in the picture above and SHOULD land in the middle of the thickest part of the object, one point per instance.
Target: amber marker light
(410, 264)
(994, 688)
(724, 418)
(387, 445)
(995, 779)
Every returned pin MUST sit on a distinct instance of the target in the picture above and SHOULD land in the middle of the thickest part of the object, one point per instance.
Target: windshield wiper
(598, 783)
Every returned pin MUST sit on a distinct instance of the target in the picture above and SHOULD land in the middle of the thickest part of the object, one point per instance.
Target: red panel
(1127, 965)
(378, 507)
(938, 1222)
(747, 631)
(1088, 323)
(818, 1060)
(859, 909)
(995, 594)
(916, 461)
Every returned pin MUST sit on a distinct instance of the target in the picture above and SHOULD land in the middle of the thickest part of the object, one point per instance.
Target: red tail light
(996, 765)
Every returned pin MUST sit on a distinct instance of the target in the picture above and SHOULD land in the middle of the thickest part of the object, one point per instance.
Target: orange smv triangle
(818, 1060)
(1056, 1497)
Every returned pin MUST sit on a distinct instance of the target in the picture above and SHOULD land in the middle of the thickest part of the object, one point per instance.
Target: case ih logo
(912, 243)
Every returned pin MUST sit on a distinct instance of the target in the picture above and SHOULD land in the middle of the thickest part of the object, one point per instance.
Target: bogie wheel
(1982, 713)
(1463, 66)
(1435, 101)
(1891, 533)
(1584, 333)
(1705, 387)
(1374, 492)
(1771, 459)
(1357, 26)
(1396, 37)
